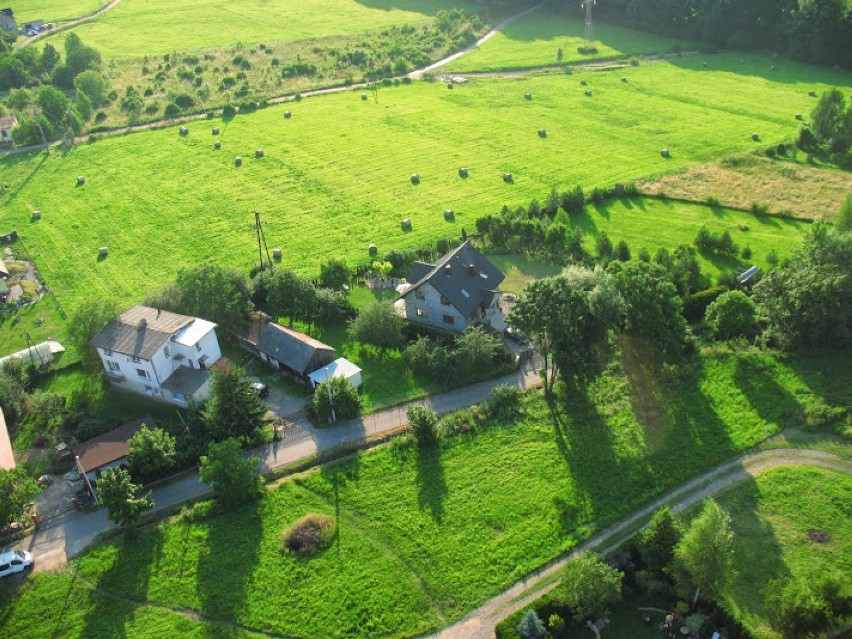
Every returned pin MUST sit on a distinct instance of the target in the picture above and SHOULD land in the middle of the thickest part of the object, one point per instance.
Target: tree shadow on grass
(126, 579)
(758, 381)
(339, 474)
(229, 559)
(431, 483)
(827, 373)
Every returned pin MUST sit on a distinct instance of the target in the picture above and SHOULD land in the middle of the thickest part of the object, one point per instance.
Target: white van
(14, 561)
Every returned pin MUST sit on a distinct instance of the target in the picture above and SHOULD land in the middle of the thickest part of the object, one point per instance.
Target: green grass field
(54, 10)
(533, 41)
(771, 517)
(136, 28)
(427, 535)
(337, 173)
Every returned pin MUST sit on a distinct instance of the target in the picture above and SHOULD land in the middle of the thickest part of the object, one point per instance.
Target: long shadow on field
(827, 373)
(339, 474)
(13, 193)
(127, 578)
(229, 558)
(431, 484)
(757, 379)
(761, 66)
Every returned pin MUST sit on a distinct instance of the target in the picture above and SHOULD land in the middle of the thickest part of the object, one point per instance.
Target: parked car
(515, 335)
(260, 388)
(14, 561)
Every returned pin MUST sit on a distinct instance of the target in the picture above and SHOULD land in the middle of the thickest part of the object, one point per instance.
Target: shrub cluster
(721, 244)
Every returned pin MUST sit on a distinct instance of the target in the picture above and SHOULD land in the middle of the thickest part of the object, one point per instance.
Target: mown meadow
(54, 10)
(427, 534)
(773, 517)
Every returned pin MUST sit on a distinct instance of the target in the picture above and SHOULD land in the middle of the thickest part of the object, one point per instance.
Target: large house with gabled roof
(455, 292)
(159, 354)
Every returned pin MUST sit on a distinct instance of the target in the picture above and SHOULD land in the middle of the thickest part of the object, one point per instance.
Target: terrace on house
(160, 354)
(457, 291)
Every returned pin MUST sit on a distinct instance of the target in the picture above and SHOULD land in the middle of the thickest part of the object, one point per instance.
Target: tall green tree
(336, 399)
(214, 293)
(94, 85)
(731, 315)
(291, 295)
(233, 477)
(86, 321)
(589, 587)
(531, 626)
(234, 408)
(79, 57)
(151, 455)
(122, 498)
(476, 352)
(379, 325)
(658, 540)
(17, 489)
(843, 221)
(828, 114)
(704, 556)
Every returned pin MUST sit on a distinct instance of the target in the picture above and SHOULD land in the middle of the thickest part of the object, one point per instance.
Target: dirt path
(480, 623)
(68, 24)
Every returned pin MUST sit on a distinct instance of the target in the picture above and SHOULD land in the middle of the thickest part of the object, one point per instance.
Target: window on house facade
(421, 312)
(179, 397)
(166, 352)
(449, 319)
(135, 360)
(113, 366)
(445, 301)
(419, 294)
(198, 346)
(141, 372)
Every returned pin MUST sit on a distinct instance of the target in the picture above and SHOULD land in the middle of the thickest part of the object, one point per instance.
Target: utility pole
(261, 241)
(587, 5)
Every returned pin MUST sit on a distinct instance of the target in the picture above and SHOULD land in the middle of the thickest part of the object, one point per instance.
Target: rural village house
(107, 450)
(284, 348)
(455, 292)
(159, 354)
(6, 125)
(7, 22)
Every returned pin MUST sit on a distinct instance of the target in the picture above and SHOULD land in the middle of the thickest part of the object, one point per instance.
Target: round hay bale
(798, 116)
(81, 180)
(276, 254)
(258, 153)
(287, 115)
(665, 153)
(542, 133)
(527, 96)
(415, 178)
(363, 96)
(103, 251)
(449, 85)
(463, 172)
(449, 214)
(217, 144)
(812, 93)
(755, 137)
(184, 131)
(238, 161)
(36, 215)
(215, 130)
(624, 78)
(588, 93)
(507, 177)
(583, 83)
(373, 250)
(406, 224)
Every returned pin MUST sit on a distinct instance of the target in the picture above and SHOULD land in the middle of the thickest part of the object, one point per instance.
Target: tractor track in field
(480, 623)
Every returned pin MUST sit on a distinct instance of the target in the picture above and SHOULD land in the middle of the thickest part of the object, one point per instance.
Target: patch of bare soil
(819, 536)
(788, 188)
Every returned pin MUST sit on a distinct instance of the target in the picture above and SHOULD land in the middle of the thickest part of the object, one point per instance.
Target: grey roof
(8, 122)
(464, 276)
(290, 347)
(140, 331)
(418, 271)
(186, 381)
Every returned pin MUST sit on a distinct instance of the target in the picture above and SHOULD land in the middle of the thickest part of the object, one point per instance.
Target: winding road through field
(480, 623)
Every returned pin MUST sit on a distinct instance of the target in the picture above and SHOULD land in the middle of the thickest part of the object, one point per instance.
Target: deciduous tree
(589, 587)
(730, 315)
(703, 557)
(379, 325)
(233, 477)
(87, 321)
(151, 455)
(17, 489)
(122, 498)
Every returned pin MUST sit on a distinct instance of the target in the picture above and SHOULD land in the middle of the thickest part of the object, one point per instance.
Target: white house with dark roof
(453, 293)
(160, 354)
(7, 123)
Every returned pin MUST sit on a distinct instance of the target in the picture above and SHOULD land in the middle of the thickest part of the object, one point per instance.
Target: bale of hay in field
(258, 153)
(449, 214)
(215, 130)
(812, 93)
(81, 180)
(238, 161)
(449, 85)
(276, 254)
(373, 250)
(507, 177)
(36, 215)
(103, 251)
(527, 96)
(363, 96)
(755, 137)
(415, 178)
(588, 93)
(542, 133)
(406, 224)
(287, 114)
(798, 116)
(217, 144)
(184, 131)
(463, 172)
(624, 78)
(583, 83)
(665, 153)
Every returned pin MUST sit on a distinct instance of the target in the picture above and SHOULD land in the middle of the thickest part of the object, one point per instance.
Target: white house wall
(434, 309)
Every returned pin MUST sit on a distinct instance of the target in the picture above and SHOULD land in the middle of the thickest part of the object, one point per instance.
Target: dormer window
(445, 301)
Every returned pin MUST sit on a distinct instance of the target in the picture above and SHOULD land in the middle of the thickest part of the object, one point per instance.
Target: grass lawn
(427, 535)
(53, 10)
(533, 41)
(771, 518)
(161, 201)
(136, 28)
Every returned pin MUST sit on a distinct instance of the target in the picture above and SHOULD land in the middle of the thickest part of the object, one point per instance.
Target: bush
(808, 607)
(694, 306)
(335, 399)
(309, 535)
(172, 110)
(229, 111)
(505, 402)
(588, 587)
(731, 315)
(821, 416)
(233, 477)
(424, 425)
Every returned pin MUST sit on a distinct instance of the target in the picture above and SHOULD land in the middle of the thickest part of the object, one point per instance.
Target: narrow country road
(480, 623)
(67, 24)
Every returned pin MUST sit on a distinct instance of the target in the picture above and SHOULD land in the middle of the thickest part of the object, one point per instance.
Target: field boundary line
(480, 623)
